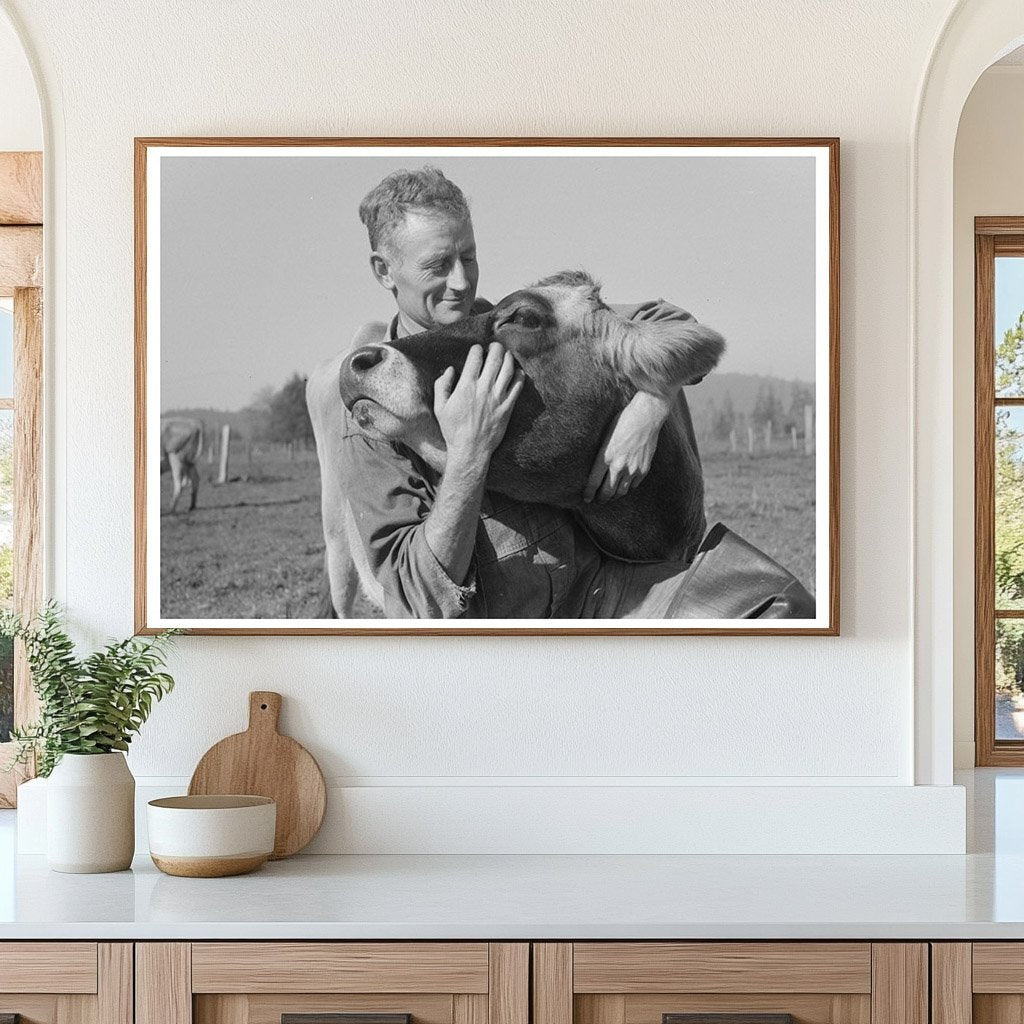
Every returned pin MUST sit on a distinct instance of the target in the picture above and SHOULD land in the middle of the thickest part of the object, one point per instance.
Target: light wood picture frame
(255, 281)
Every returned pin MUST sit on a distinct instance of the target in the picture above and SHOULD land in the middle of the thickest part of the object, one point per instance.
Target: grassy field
(768, 499)
(253, 548)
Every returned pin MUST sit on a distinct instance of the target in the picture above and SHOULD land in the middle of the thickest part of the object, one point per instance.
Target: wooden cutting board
(262, 762)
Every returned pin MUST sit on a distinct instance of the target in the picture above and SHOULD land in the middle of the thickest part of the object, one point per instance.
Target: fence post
(225, 443)
(792, 434)
(750, 439)
(209, 452)
(732, 440)
(808, 430)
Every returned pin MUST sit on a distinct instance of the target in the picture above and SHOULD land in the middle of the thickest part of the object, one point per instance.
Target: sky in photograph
(264, 262)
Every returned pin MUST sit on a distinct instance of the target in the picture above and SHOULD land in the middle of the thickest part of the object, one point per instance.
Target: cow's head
(582, 362)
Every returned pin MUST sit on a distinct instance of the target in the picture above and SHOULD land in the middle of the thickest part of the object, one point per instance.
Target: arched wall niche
(976, 33)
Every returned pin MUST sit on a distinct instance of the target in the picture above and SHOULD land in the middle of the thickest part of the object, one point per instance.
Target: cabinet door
(730, 983)
(66, 982)
(981, 982)
(332, 983)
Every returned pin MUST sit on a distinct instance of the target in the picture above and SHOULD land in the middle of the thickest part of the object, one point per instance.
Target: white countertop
(977, 896)
(517, 897)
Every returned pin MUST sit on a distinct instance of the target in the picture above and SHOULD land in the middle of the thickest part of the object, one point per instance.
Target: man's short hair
(384, 207)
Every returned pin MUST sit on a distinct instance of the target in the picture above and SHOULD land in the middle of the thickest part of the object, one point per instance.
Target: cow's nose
(367, 357)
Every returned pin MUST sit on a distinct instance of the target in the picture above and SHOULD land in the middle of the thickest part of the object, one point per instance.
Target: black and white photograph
(536, 386)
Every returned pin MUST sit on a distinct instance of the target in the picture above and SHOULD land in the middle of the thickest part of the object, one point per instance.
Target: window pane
(6, 567)
(1009, 679)
(6, 352)
(1009, 574)
(1009, 322)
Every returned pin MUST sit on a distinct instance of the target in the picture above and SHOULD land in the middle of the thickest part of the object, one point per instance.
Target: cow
(181, 444)
(583, 363)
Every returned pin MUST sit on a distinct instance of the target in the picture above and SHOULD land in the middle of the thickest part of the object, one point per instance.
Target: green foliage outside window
(1009, 510)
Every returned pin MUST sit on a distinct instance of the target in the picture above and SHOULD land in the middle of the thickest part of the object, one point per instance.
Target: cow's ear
(659, 356)
(380, 264)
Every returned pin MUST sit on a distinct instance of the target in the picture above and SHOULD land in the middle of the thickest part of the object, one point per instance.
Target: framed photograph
(499, 386)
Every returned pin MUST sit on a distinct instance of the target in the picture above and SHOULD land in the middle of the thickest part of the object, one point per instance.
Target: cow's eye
(529, 319)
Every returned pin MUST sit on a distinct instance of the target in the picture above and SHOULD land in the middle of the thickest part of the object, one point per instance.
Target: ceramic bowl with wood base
(211, 836)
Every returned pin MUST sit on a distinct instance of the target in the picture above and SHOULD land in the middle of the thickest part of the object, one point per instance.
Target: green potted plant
(90, 708)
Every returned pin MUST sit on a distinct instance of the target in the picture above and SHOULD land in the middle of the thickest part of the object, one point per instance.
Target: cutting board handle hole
(263, 707)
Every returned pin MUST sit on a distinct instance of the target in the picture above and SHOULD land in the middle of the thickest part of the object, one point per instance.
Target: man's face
(431, 267)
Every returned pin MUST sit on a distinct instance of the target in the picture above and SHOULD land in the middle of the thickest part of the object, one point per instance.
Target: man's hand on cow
(474, 412)
(628, 449)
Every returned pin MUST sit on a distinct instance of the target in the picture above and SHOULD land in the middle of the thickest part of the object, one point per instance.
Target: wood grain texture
(603, 1009)
(115, 996)
(11, 780)
(899, 991)
(21, 188)
(727, 1018)
(208, 867)
(805, 1008)
(304, 967)
(262, 762)
(635, 967)
(951, 983)
(269, 1009)
(76, 1009)
(141, 264)
(999, 226)
(28, 484)
(225, 1009)
(65, 967)
(32, 1009)
(998, 1009)
(163, 983)
(21, 258)
(346, 1018)
(552, 983)
(508, 993)
(998, 967)
(144, 143)
(467, 1009)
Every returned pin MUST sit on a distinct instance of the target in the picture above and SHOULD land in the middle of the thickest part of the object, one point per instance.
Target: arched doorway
(976, 34)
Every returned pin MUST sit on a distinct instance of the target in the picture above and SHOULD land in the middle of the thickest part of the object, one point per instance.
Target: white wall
(381, 713)
(987, 182)
(20, 125)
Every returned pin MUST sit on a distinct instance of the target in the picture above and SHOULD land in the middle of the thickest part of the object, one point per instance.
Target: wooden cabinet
(757, 982)
(66, 982)
(512, 983)
(264, 982)
(979, 982)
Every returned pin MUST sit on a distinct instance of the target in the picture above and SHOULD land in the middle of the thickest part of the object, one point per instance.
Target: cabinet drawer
(635, 967)
(340, 967)
(332, 983)
(64, 967)
(730, 983)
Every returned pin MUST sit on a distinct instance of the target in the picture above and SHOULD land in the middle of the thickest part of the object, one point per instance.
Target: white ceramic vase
(90, 814)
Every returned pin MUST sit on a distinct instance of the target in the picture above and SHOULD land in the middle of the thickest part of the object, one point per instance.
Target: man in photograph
(418, 544)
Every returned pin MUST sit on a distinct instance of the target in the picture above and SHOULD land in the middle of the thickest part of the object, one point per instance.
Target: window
(999, 490)
(21, 253)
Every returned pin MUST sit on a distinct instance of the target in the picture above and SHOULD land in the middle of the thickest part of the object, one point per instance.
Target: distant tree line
(281, 416)
(783, 412)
